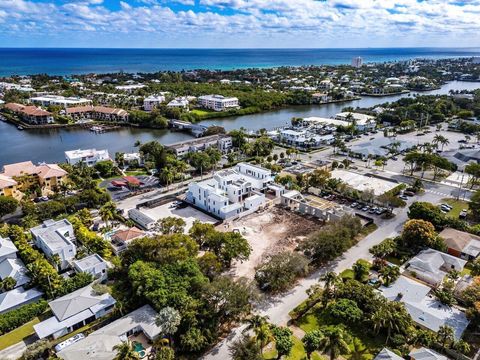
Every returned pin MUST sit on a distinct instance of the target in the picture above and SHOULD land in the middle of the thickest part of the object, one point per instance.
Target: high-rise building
(357, 62)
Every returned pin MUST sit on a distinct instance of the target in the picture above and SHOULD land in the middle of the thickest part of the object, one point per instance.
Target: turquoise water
(27, 61)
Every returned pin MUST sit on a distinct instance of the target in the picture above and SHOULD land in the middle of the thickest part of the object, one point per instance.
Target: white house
(15, 269)
(426, 354)
(231, 192)
(218, 102)
(89, 156)
(98, 345)
(18, 297)
(8, 250)
(153, 101)
(179, 102)
(303, 138)
(387, 354)
(431, 266)
(142, 219)
(56, 238)
(425, 309)
(362, 121)
(73, 311)
(92, 264)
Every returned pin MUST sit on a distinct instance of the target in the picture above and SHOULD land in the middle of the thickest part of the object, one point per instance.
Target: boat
(20, 127)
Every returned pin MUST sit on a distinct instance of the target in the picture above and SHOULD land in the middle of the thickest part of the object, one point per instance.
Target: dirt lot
(273, 230)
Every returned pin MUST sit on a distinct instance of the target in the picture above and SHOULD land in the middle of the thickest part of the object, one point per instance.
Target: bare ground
(271, 231)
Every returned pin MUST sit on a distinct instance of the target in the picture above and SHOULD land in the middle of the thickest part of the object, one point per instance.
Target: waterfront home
(55, 238)
(362, 122)
(9, 187)
(179, 102)
(88, 156)
(218, 102)
(22, 176)
(304, 138)
(138, 327)
(121, 238)
(56, 100)
(220, 141)
(319, 98)
(423, 307)
(99, 113)
(231, 192)
(461, 244)
(431, 266)
(18, 297)
(73, 311)
(30, 114)
(93, 265)
(153, 101)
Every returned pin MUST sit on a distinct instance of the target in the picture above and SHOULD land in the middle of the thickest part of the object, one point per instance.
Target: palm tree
(333, 342)
(107, 212)
(125, 351)
(389, 274)
(311, 342)
(445, 334)
(442, 140)
(255, 321)
(168, 320)
(330, 279)
(167, 175)
(391, 316)
(358, 351)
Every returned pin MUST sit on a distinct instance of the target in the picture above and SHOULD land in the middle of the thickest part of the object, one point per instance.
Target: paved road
(277, 308)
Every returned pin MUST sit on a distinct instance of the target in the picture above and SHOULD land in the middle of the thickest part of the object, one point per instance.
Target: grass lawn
(200, 112)
(394, 260)
(458, 206)
(298, 352)
(136, 173)
(18, 334)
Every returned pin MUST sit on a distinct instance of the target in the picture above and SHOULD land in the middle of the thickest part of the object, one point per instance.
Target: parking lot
(121, 192)
(359, 207)
(187, 213)
(361, 182)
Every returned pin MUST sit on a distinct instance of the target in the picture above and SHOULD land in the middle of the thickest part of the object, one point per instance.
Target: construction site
(269, 231)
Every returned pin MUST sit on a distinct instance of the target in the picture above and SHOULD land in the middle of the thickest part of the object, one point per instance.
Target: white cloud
(334, 22)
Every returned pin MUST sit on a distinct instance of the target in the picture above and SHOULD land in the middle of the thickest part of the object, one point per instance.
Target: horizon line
(238, 48)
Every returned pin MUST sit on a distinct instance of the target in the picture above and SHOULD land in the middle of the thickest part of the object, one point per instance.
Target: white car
(69, 342)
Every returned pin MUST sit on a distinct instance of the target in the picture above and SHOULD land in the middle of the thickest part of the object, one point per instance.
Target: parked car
(408, 193)
(69, 341)
(354, 205)
(447, 206)
(403, 197)
(366, 208)
(372, 210)
(360, 206)
(463, 214)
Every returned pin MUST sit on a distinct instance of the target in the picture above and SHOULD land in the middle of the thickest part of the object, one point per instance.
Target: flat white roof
(84, 153)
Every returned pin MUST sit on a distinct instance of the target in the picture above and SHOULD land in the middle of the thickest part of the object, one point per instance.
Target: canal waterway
(49, 144)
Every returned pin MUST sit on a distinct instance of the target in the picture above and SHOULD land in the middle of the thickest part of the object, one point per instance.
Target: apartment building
(65, 102)
(153, 101)
(30, 114)
(231, 192)
(218, 102)
(99, 113)
(56, 238)
(88, 156)
(21, 176)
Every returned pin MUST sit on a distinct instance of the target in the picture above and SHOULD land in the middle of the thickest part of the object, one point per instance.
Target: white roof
(426, 354)
(80, 153)
(7, 247)
(424, 309)
(99, 344)
(89, 262)
(54, 234)
(386, 354)
(17, 297)
(434, 264)
(14, 268)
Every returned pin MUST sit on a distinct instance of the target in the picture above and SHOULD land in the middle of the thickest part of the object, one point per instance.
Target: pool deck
(140, 338)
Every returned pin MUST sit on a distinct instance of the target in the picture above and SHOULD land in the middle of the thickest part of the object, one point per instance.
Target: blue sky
(239, 23)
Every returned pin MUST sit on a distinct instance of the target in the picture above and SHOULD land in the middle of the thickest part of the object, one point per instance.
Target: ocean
(68, 61)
